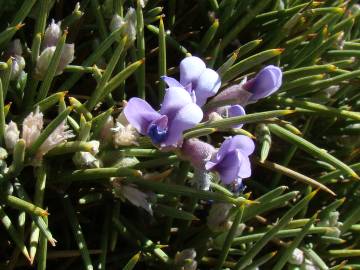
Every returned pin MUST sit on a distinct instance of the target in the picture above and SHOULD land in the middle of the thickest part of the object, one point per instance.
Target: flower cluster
(31, 129)
(181, 109)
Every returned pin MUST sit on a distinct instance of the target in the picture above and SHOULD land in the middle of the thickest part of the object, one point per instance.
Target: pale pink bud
(32, 126)
(197, 152)
(12, 134)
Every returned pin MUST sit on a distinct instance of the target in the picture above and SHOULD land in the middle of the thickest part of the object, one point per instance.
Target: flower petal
(171, 82)
(175, 99)
(190, 69)
(241, 142)
(266, 82)
(207, 85)
(229, 167)
(236, 110)
(245, 168)
(140, 114)
(186, 118)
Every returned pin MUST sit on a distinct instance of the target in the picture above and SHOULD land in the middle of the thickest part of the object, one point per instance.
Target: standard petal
(174, 100)
(243, 143)
(245, 168)
(266, 82)
(229, 167)
(240, 142)
(236, 110)
(190, 69)
(140, 114)
(186, 118)
(207, 85)
(171, 82)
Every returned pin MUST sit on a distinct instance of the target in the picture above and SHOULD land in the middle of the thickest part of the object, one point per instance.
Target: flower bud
(12, 134)
(43, 61)
(116, 22)
(235, 94)
(217, 219)
(197, 152)
(297, 257)
(265, 83)
(67, 56)
(32, 126)
(106, 133)
(185, 259)
(85, 160)
(18, 65)
(128, 25)
(52, 34)
(3, 153)
(131, 22)
(14, 48)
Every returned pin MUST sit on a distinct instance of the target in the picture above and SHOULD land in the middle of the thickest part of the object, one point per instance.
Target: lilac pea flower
(165, 128)
(232, 162)
(198, 80)
(265, 83)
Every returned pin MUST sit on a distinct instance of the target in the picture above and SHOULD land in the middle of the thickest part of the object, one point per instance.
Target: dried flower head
(59, 135)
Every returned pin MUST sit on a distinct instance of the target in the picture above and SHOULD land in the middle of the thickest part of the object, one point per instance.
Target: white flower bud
(32, 126)
(67, 56)
(85, 160)
(106, 133)
(217, 219)
(52, 34)
(143, 3)
(333, 218)
(131, 22)
(127, 24)
(116, 22)
(18, 65)
(12, 134)
(186, 259)
(43, 62)
(14, 48)
(297, 257)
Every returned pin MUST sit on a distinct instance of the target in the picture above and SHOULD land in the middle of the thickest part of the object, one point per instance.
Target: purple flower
(265, 83)
(232, 162)
(165, 128)
(201, 82)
